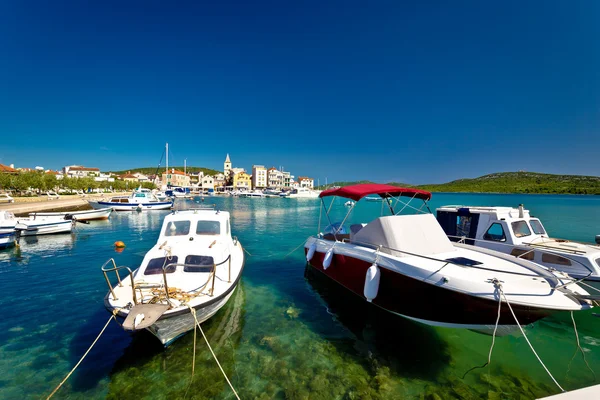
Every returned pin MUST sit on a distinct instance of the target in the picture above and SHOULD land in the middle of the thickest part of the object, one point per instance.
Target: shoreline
(25, 205)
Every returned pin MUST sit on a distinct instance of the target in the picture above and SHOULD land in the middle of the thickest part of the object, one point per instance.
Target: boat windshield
(208, 228)
(537, 227)
(521, 229)
(177, 228)
(155, 266)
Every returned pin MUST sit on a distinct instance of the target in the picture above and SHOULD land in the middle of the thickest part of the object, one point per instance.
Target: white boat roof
(191, 231)
(496, 212)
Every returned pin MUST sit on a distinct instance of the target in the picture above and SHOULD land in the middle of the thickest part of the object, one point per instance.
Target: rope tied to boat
(114, 313)
(499, 287)
(193, 311)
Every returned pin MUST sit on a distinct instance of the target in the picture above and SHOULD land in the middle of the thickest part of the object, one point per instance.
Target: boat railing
(541, 249)
(379, 247)
(211, 276)
(107, 267)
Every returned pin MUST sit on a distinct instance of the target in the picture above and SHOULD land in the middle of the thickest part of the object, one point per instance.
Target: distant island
(510, 182)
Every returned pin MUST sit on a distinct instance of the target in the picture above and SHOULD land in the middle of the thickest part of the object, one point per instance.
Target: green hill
(521, 182)
(153, 170)
(509, 182)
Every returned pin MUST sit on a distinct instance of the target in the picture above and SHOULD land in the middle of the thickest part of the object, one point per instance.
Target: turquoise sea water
(282, 335)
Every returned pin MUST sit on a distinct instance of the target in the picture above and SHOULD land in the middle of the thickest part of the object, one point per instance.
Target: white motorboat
(195, 263)
(85, 215)
(405, 264)
(31, 226)
(138, 200)
(8, 238)
(162, 196)
(254, 194)
(514, 231)
(301, 193)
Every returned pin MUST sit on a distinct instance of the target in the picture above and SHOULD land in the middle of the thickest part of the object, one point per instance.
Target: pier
(25, 205)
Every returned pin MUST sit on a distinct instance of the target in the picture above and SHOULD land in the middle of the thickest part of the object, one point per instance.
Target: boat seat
(340, 236)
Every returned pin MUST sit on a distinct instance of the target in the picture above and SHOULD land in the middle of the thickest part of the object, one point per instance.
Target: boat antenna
(158, 166)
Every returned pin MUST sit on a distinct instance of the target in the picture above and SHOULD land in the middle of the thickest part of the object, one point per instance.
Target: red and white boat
(405, 264)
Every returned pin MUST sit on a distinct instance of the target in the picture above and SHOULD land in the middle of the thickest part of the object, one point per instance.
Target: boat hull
(170, 328)
(423, 302)
(31, 228)
(7, 239)
(87, 215)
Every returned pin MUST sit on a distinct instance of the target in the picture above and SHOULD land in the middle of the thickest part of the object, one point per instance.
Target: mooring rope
(525, 336)
(579, 348)
(86, 353)
(489, 361)
(211, 350)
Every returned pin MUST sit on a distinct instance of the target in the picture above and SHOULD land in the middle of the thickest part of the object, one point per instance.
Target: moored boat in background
(85, 215)
(31, 226)
(516, 232)
(141, 199)
(8, 238)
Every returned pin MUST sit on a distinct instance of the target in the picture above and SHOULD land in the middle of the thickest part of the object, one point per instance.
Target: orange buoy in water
(119, 244)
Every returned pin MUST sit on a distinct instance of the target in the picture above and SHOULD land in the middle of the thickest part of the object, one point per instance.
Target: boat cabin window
(555, 259)
(208, 228)
(140, 195)
(537, 227)
(155, 266)
(521, 229)
(598, 262)
(467, 262)
(495, 233)
(523, 253)
(177, 228)
(198, 264)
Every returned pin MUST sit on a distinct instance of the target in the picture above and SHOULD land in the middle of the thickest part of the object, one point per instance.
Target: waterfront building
(208, 183)
(100, 178)
(259, 177)
(274, 178)
(242, 181)
(175, 178)
(306, 182)
(219, 180)
(141, 177)
(129, 177)
(288, 179)
(79, 171)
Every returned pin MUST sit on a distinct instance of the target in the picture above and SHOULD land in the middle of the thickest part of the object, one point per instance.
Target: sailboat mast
(167, 150)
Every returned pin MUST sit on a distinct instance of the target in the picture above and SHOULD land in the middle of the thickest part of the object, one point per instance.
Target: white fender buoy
(311, 251)
(372, 282)
(328, 258)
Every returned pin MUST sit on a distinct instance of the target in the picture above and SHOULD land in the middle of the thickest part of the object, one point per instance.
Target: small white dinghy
(35, 225)
(195, 264)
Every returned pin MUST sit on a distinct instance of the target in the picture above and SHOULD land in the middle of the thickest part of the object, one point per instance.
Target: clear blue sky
(384, 90)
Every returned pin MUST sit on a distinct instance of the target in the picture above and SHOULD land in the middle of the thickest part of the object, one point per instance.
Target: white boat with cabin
(406, 265)
(195, 263)
(301, 193)
(516, 232)
(140, 199)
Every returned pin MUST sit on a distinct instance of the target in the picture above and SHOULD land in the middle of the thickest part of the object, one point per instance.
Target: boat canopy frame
(387, 192)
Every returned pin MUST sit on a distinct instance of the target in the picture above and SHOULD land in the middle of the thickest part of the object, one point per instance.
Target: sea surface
(282, 335)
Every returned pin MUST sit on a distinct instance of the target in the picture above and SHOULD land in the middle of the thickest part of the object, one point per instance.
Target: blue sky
(388, 90)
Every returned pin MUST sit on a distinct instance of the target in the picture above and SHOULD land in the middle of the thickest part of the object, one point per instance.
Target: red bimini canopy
(357, 192)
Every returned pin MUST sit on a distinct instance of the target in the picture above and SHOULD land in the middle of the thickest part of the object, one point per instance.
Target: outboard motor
(597, 239)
